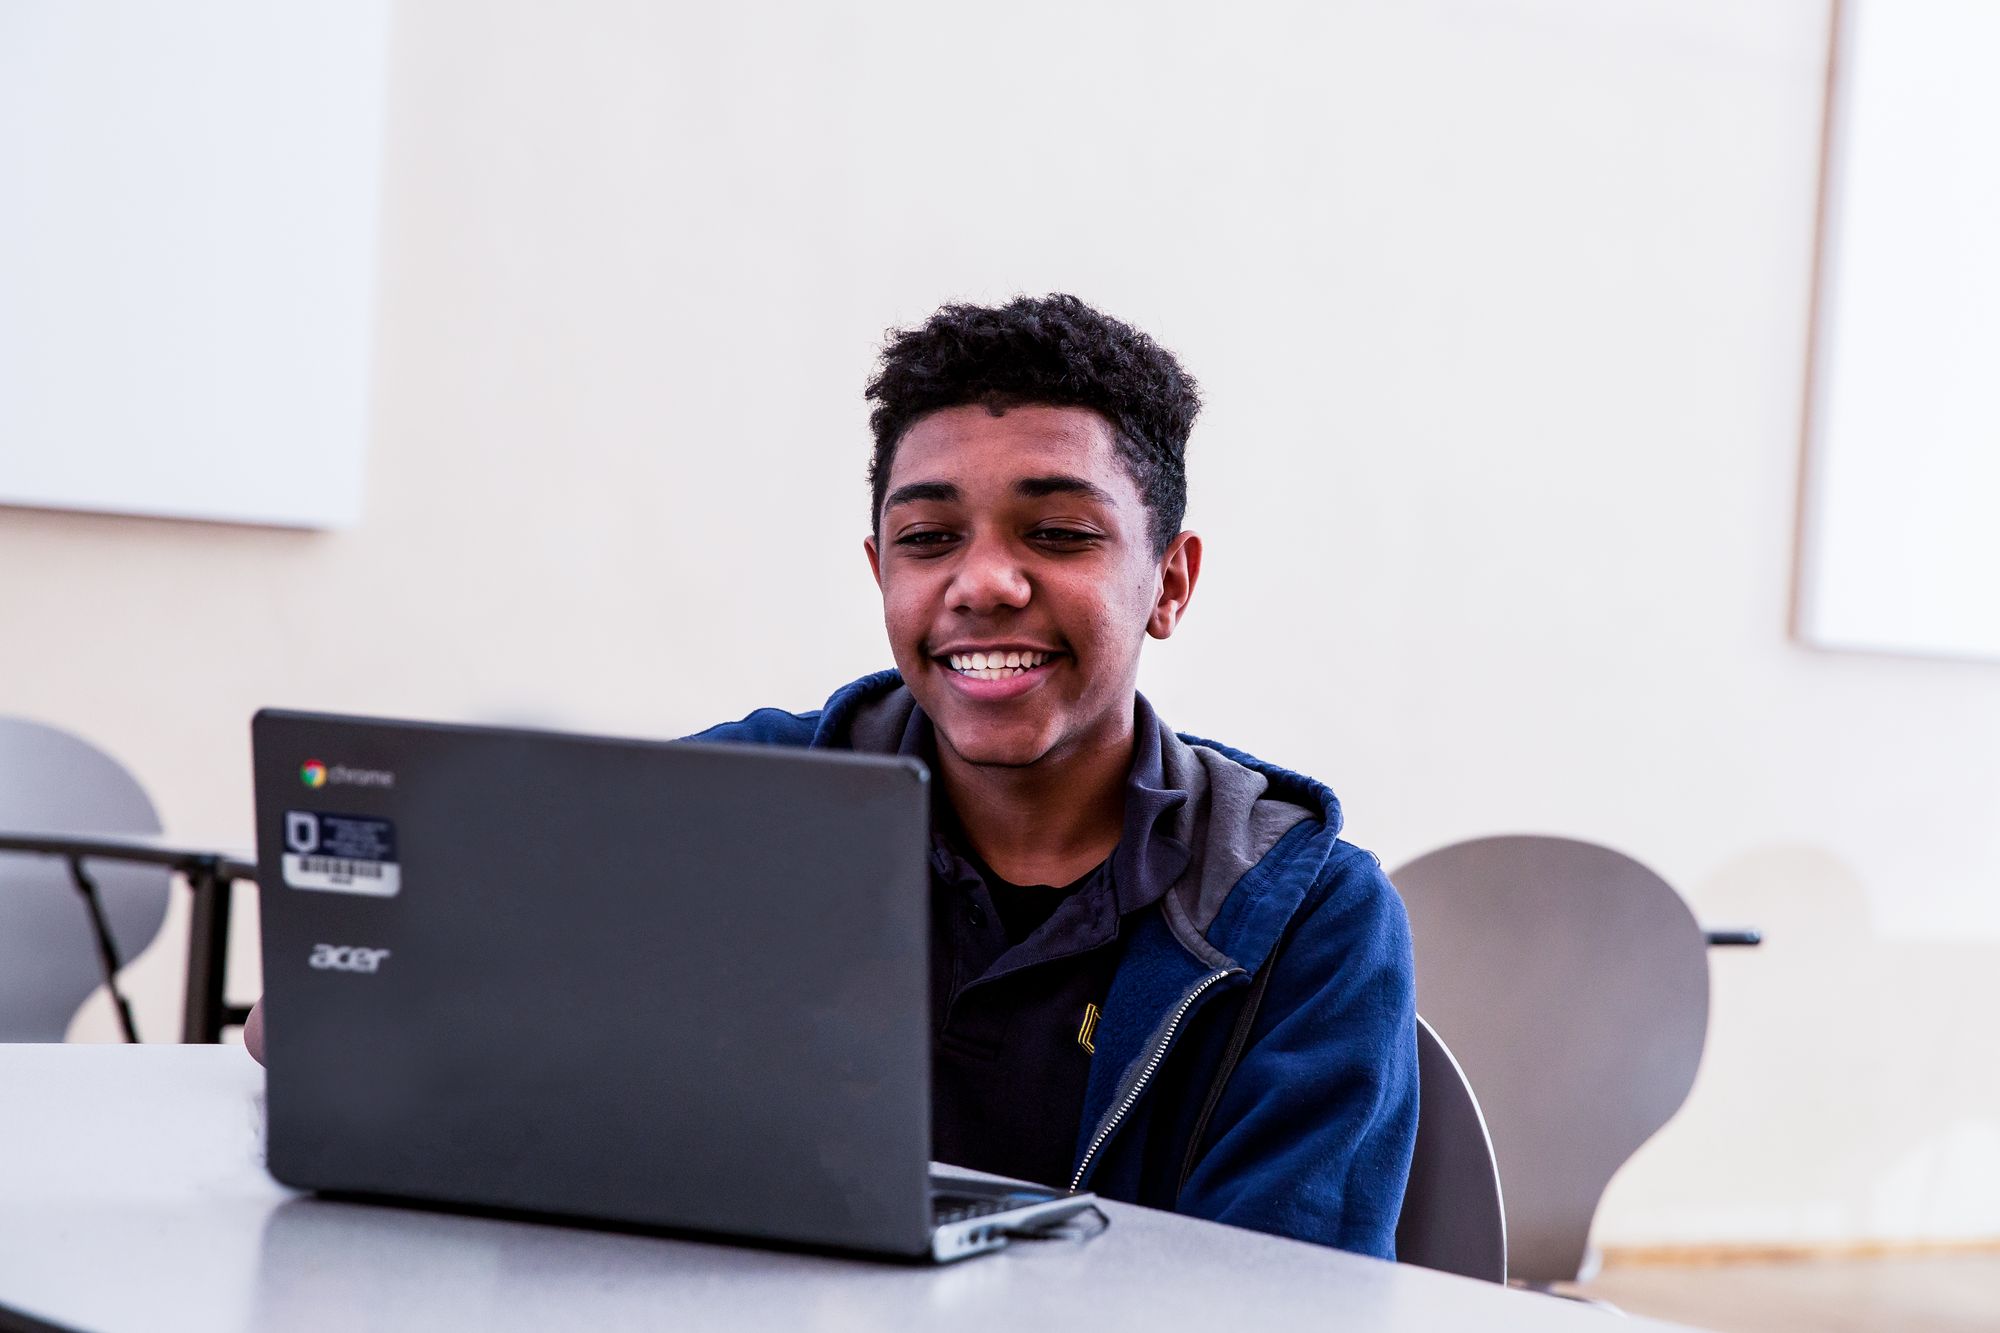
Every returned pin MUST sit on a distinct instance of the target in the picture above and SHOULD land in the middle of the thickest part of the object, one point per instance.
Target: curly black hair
(1053, 351)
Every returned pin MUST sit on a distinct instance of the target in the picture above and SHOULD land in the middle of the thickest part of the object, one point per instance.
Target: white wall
(1501, 310)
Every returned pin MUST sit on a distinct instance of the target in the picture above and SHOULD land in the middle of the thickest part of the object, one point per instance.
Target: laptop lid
(660, 983)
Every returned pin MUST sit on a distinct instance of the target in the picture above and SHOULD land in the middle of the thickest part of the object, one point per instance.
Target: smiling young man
(1157, 970)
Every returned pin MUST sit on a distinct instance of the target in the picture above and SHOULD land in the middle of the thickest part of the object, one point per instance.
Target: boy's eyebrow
(1034, 488)
(941, 491)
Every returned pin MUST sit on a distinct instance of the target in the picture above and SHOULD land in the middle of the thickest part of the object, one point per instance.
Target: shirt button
(975, 916)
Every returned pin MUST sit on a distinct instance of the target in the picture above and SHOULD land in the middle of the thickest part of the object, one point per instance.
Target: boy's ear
(1180, 567)
(874, 558)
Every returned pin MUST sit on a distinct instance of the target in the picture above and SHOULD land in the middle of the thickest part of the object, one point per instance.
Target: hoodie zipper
(1158, 1053)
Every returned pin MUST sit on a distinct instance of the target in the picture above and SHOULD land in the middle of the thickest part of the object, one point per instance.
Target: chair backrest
(51, 781)
(1453, 1219)
(1574, 984)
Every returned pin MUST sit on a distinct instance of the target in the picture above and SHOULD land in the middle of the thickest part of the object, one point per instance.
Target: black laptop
(655, 984)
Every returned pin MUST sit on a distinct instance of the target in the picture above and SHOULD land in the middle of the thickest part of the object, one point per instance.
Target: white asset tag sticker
(341, 854)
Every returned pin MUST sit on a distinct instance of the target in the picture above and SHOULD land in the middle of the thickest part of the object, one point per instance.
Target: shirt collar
(1148, 858)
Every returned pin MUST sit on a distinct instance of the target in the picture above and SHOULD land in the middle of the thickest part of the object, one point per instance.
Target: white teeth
(996, 666)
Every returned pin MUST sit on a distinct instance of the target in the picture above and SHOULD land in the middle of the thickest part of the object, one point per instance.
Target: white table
(133, 1196)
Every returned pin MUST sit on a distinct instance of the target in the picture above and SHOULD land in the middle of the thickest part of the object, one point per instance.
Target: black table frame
(211, 876)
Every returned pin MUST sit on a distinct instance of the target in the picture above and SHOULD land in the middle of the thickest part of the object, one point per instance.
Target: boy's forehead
(967, 444)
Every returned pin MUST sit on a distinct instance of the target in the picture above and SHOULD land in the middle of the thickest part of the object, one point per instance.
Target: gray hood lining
(1228, 823)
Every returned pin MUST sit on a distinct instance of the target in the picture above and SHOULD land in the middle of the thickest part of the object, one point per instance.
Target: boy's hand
(253, 1032)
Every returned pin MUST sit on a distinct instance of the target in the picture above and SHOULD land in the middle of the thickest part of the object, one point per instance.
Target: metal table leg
(204, 1014)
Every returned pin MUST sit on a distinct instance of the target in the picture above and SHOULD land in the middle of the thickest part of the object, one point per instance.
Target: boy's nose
(988, 579)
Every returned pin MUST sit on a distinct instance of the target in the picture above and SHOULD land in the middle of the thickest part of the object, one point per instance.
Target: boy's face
(1022, 534)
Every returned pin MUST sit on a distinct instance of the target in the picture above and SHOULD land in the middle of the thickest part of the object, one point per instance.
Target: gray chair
(51, 781)
(1453, 1219)
(1574, 983)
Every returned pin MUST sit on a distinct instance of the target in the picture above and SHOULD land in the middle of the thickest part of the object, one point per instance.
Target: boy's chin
(996, 747)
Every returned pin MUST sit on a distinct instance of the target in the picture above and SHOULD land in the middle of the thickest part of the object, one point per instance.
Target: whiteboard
(188, 205)
(1902, 497)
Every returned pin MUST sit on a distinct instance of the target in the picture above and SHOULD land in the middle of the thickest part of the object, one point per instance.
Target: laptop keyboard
(949, 1208)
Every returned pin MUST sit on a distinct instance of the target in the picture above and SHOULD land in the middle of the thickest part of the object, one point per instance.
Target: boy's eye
(932, 541)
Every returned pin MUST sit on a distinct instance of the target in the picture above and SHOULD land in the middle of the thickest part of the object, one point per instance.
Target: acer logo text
(346, 958)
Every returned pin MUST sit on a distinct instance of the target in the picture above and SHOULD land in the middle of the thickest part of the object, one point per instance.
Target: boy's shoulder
(766, 726)
(828, 726)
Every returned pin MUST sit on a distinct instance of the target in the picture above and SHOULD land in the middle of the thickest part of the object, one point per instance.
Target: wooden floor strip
(1699, 1256)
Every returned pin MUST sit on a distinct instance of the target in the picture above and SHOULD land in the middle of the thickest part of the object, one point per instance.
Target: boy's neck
(1049, 823)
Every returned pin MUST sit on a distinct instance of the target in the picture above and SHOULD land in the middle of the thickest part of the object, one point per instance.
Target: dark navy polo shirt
(1016, 968)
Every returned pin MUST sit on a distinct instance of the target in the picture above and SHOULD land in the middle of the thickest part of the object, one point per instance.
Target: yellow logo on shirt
(1085, 1033)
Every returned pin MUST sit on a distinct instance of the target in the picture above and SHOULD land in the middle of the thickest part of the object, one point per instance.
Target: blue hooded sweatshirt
(1302, 1125)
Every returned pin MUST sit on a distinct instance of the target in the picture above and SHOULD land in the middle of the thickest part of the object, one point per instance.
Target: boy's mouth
(997, 673)
(997, 665)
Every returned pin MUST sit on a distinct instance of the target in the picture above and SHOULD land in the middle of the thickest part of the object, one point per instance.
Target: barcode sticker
(341, 854)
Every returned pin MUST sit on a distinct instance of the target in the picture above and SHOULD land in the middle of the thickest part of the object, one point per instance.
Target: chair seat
(1453, 1218)
(1573, 982)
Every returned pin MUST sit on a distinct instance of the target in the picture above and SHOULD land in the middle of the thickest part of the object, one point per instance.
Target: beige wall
(1501, 311)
